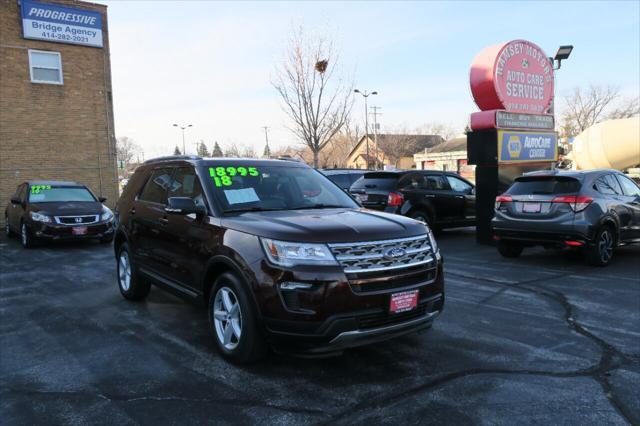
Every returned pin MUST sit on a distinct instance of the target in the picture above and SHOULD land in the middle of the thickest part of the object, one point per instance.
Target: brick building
(56, 111)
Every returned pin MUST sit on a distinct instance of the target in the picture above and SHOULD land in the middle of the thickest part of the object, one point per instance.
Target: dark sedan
(441, 199)
(594, 210)
(53, 210)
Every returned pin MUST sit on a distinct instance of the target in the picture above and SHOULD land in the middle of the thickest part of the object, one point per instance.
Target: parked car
(595, 210)
(51, 210)
(440, 199)
(280, 255)
(344, 178)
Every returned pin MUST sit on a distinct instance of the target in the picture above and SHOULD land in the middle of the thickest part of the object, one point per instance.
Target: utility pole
(375, 114)
(266, 139)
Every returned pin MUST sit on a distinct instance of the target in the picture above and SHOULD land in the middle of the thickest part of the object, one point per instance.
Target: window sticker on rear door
(239, 196)
(36, 189)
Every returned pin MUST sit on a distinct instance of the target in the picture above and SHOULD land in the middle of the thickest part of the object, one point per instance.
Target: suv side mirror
(102, 199)
(184, 206)
(472, 191)
(15, 200)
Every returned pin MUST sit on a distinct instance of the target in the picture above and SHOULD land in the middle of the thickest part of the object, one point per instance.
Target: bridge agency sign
(48, 22)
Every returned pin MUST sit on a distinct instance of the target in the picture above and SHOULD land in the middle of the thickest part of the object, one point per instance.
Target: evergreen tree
(267, 151)
(177, 151)
(202, 150)
(217, 151)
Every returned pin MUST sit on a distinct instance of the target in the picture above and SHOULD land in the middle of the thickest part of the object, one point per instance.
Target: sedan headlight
(39, 217)
(289, 254)
(106, 214)
(432, 241)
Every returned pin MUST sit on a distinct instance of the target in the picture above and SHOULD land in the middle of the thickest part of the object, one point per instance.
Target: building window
(46, 67)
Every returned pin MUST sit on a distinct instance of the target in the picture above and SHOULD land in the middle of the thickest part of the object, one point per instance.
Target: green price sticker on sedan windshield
(222, 175)
(36, 189)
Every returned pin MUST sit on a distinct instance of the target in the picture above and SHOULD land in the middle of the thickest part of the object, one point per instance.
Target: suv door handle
(459, 196)
(132, 210)
(163, 220)
(430, 195)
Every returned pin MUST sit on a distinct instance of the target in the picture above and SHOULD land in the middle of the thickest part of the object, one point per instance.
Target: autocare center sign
(43, 21)
(526, 147)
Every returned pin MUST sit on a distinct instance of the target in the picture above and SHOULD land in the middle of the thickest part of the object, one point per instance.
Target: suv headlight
(432, 241)
(39, 217)
(106, 214)
(285, 253)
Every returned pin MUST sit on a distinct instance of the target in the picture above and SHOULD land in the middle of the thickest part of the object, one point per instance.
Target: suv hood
(67, 208)
(326, 225)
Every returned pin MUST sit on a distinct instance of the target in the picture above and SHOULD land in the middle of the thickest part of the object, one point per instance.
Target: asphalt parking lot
(540, 339)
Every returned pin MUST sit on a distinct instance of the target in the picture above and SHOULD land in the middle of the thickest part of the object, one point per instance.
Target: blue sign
(43, 21)
(526, 147)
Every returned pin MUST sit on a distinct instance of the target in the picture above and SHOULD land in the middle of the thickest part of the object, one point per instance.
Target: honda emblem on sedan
(78, 220)
(394, 253)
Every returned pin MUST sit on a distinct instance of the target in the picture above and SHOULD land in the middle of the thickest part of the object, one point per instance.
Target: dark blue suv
(594, 210)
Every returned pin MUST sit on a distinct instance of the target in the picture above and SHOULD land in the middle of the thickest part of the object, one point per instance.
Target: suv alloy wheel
(7, 227)
(233, 321)
(601, 252)
(131, 286)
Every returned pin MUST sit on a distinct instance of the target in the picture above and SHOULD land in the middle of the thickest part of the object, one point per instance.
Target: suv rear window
(378, 180)
(544, 185)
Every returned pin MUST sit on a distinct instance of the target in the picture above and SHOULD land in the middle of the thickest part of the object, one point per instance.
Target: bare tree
(440, 129)
(317, 101)
(629, 107)
(394, 147)
(232, 151)
(586, 108)
(249, 152)
(126, 149)
(176, 151)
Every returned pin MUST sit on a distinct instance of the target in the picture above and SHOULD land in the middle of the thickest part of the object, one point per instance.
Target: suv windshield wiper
(318, 206)
(250, 209)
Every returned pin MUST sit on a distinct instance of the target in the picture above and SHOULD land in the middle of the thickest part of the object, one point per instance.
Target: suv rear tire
(7, 228)
(508, 249)
(601, 252)
(233, 321)
(131, 285)
(424, 218)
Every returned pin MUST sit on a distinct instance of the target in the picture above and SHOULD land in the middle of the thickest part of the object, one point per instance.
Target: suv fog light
(289, 285)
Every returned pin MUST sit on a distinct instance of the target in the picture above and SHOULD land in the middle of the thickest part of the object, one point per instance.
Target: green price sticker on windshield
(222, 175)
(36, 189)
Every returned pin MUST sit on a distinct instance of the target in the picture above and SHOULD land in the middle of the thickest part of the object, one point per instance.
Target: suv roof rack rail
(172, 157)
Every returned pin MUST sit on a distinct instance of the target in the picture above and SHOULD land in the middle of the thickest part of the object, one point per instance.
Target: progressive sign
(42, 21)
(526, 147)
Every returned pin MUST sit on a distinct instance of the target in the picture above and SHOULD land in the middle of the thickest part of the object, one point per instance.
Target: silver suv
(593, 210)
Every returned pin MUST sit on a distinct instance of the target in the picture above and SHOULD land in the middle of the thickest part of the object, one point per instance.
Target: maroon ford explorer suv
(280, 255)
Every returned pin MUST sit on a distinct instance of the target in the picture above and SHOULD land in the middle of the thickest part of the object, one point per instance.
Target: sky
(211, 63)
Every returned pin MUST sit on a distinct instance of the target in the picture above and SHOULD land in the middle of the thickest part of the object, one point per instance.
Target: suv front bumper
(359, 326)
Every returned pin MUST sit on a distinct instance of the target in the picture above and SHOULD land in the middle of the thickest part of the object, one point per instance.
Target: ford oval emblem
(394, 253)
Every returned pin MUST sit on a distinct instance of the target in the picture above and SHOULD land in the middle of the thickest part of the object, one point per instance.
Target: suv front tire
(233, 321)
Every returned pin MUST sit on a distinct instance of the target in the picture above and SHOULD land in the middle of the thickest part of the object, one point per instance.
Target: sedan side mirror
(15, 200)
(102, 199)
(472, 191)
(184, 206)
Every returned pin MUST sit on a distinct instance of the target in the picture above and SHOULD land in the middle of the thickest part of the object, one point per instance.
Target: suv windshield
(56, 194)
(246, 188)
(544, 185)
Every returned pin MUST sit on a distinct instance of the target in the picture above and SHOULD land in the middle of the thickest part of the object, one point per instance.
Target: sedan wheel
(600, 252)
(227, 317)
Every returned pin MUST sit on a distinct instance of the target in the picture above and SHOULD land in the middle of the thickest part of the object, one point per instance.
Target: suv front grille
(76, 220)
(376, 256)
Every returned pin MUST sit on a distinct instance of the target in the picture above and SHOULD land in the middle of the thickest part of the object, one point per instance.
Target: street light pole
(365, 95)
(184, 146)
